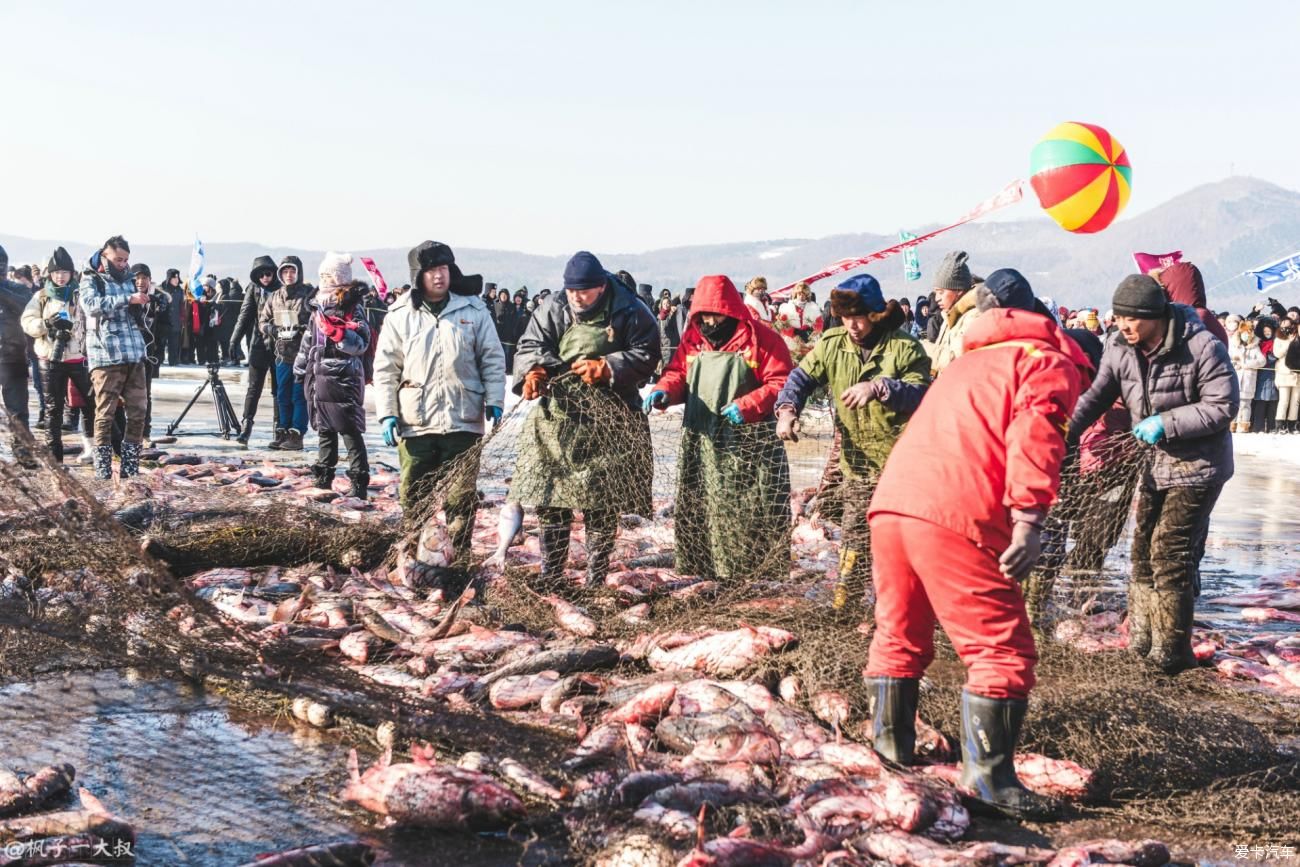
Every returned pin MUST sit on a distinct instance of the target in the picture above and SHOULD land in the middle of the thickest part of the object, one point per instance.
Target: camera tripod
(226, 417)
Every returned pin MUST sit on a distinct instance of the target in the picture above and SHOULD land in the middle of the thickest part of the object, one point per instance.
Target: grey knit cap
(953, 272)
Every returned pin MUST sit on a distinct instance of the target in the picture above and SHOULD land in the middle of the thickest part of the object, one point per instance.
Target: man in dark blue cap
(579, 450)
(876, 374)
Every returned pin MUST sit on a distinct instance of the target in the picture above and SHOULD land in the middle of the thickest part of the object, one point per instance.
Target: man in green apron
(584, 356)
(876, 375)
(733, 485)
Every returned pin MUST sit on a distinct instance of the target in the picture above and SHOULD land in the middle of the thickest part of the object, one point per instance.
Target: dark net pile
(265, 603)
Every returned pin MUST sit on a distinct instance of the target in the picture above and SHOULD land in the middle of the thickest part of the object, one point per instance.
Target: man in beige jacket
(954, 290)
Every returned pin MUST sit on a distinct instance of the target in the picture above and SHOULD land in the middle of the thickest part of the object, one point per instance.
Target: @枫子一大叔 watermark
(63, 848)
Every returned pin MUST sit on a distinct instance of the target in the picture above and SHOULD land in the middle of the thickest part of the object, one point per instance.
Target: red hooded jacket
(762, 347)
(1184, 285)
(997, 419)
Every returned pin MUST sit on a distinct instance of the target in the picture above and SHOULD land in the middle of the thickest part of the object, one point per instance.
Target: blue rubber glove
(1150, 430)
(731, 413)
(654, 399)
(494, 416)
(389, 424)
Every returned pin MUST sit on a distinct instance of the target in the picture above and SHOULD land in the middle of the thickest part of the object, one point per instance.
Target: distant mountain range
(1224, 227)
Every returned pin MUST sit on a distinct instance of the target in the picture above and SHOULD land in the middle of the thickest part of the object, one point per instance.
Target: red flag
(379, 278)
(1148, 262)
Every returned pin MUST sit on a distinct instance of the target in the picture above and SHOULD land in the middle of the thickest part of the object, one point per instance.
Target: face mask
(720, 332)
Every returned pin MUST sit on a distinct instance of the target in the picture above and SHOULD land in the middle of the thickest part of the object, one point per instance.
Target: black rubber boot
(1139, 618)
(1171, 614)
(893, 703)
(990, 729)
(245, 433)
(103, 462)
(554, 540)
(322, 476)
(130, 460)
(600, 545)
(277, 441)
(359, 483)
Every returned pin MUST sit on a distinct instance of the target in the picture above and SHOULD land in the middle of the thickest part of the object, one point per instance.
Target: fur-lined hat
(861, 296)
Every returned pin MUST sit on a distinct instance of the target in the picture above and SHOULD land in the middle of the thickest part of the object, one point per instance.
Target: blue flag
(1280, 271)
(196, 263)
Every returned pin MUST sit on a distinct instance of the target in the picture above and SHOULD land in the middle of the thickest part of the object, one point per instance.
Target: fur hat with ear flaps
(861, 296)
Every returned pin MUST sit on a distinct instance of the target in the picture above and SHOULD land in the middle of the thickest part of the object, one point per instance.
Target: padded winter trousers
(125, 382)
(1169, 539)
(925, 573)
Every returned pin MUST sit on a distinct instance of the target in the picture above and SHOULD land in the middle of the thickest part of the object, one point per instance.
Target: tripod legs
(226, 418)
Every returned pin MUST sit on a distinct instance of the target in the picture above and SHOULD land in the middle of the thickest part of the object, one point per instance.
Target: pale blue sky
(553, 126)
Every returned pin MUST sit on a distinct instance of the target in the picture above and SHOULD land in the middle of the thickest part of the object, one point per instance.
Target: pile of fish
(670, 738)
(265, 478)
(31, 834)
(1268, 660)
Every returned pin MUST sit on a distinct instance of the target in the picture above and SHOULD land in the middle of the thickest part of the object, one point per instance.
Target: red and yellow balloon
(1082, 176)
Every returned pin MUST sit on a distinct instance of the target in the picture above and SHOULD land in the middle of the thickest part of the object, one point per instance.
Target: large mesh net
(597, 637)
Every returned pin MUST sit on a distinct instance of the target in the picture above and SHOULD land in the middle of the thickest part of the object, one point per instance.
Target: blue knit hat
(584, 271)
(1011, 289)
(868, 297)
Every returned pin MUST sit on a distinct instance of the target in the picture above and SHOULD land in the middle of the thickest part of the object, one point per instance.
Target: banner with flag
(196, 264)
(1148, 262)
(1009, 195)
(380, 285)
(1281, 271)
(911, 261)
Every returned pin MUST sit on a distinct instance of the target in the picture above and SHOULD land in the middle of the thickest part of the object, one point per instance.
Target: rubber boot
(893, 703)
(600, 545)
(554, 540)
(87, 456)
(1139, 618)
(103, 462)
(130, 460)
(1171, 614)
(359, 483)
(245, 432)
(278, 440)
(322, 476)
(54, 441)
(990, 729)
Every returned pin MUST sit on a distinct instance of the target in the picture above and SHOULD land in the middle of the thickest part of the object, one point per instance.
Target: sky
(556, 126)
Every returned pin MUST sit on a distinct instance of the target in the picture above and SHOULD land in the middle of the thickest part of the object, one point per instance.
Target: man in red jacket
(733, 504)
(955, 549)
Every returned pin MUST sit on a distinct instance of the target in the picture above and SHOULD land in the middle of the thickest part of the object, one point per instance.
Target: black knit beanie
(1139, 296)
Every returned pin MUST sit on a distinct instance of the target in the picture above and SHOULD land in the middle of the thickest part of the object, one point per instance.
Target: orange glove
(534, 383)
(594, 371)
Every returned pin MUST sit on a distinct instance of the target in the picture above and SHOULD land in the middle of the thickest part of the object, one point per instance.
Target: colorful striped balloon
(1081, 175)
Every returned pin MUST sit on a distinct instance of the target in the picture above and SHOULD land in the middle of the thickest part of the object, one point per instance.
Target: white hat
(335, 270)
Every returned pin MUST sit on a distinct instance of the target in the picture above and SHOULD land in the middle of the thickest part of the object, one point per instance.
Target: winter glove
(731, 413)
(858, 396)
(1150, 430)
(594, 371)
(1022, 553)
(58, 322)
(334, 328)
(389, 425)
(494, 416)
(787, 424)
(534, 383)
(655, 400)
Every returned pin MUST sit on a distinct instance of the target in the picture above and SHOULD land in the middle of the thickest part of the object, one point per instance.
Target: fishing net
(299, 624)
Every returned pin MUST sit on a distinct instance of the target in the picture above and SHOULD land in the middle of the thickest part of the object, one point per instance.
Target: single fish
(583, 657)
(45, 785)
(432, 796)
(509, 522)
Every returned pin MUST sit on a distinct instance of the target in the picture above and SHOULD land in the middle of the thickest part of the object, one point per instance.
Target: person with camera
(262, 284)
(115, 350)
(283, 321)
(54, 320)
(151, 319)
